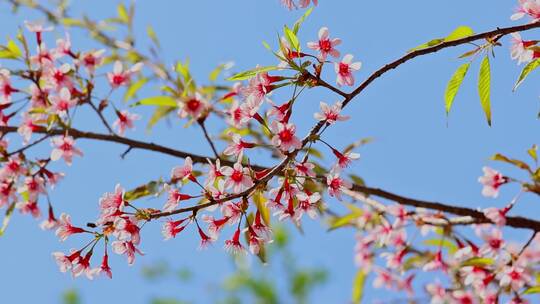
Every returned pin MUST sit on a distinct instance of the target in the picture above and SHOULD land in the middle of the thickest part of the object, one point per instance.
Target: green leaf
(251, 73)
(430, 43)
(7, 217)
(71, 22)
(134, 88)
(152, 35)
(215, 73)
(299, 22)
(518, 163)
(123, 15)
(358, 286)
(531, 66)
(533, 152)
(159, 114)
(292, 39)
(454, 84)
(260, 202)
(167, 101)
(148, 189)
(532, 290)
(10, 51)
(357, 179)
(441, 243)
(460, 32)
(484, 87)
(480, 262)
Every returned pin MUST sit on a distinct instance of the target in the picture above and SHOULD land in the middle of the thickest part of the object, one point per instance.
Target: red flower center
(325, 45)
(286, 135)
(343, 68)
(193, 105)
(237, 176)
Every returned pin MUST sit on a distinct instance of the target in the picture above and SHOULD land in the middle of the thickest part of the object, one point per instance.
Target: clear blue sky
(415, 152)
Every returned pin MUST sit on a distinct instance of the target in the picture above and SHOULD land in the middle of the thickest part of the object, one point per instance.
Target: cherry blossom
(172, 228)
(120, 77)
(528, 7)
(192, 106)
(325, 45)
(65, 262)
(127, 248)
(233, 245)
(6, 89)
(330, 114)
(62, 102)
(519, 50)
(237, 146)
(344, 159)
(174, 197)
(336, 184)
(513, 276)
(64, 147)
(237, 177)
(65, 228)
(491, 180)
(284, 136)
(344, 70)
(185, 171)
(125, 121)
(91, 60)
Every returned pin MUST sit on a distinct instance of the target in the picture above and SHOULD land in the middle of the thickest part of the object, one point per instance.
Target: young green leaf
(454, 84)
(525, 72)
(358, 286)
(484, 87)
(516, 162)
(299, 22)
(430, 43)
(460, 32)
(532, 290)
(251, 73)
(292, 39)
(123, 15)
(159, 113)
(156, 101)
(134, 88)
(533, 152)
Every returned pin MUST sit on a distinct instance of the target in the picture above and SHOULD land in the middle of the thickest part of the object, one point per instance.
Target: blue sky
(415, 152)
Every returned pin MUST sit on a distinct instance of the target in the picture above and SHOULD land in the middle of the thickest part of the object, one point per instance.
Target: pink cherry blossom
(305, 3)
(238, 178)
(174, 197)
(65, 262)
(62, 102)
(237, 146)
(59, 78)
(91, 60)
(192, 106)
(233, 245)
(336, 184)
(65, 228)
(6, 89)
(330, 114)
(284, 136)
(325, 45)
(491, 180)
(185, 171)
(215, 225)
(104, 268)
(64, 147)
(344, 159)
(519, 50)
(496, 215)
(528, 7)
(125, 121)
(29, 207)
(127, 248)
(172, 228)
(345, 69)
(513, 276)
(214, 172)
(305, 169)
(120, 77)
(111, 205)
(37, 27)
(63, 48)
